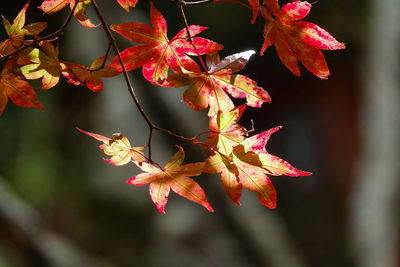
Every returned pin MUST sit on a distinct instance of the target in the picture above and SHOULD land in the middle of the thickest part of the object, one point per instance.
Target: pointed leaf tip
(119, 148)
(297, 40)
(95, 136)
(173, 176)
(235, 62)
(158, 53)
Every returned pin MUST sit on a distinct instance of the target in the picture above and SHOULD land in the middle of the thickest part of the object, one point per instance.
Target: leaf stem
(151, 125)
(125, 73)
(196, 137)
(180, 4)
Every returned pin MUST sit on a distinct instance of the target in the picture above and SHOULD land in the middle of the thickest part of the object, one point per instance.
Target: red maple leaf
(297, 40)
(126, 4)
(211, 88)
(255, 8)
(158, 53)
(173, 176)
(12, 86)
(90, 76)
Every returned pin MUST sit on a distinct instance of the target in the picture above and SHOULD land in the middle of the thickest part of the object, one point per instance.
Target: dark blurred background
(62, 205)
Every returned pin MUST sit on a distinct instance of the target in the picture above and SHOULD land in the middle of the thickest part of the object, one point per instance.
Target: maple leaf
(297, 40)
(173, 176)
(41, 63)
(226, 134)
(210, 88)
(254, 163)
(90, 76)
(157, 53)
(254, 178)
(273, 165)
(126, 4)
(255, 8)
(18, 30)
(244, 161)
(19, 91)
(53, 6)
(119, 148)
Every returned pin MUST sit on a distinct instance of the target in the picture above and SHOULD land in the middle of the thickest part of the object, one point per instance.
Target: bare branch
(151, 125)
(183, 16)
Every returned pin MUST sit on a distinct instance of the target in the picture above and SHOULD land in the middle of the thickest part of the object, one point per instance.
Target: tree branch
(151, 125)
(180, 4)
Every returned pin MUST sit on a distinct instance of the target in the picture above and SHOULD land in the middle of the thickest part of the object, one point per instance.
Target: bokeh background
(62, 205)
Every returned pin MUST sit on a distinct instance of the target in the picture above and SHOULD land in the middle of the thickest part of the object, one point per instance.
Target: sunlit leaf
(157, 53)
(243, 161)
(173, 176)
(53, 6)
(297, 40)
(119, 148)
(90, 76)
(43, 64)
(211, 88)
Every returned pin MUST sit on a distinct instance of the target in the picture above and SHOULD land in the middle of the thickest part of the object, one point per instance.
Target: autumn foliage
(235, 154)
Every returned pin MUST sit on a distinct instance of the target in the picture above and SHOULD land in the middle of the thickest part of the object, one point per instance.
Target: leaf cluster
(185, 60)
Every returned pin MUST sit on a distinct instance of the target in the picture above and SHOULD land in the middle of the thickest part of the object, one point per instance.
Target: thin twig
(151, 125)
(125, 73)
(180, 4)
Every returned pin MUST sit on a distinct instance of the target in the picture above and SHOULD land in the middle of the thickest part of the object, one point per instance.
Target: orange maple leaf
(225, 135)
(53, 6)
(211, 88)
(244, 161)
(297, 40)
(173, 176)
(90, 76)
(119, 148)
